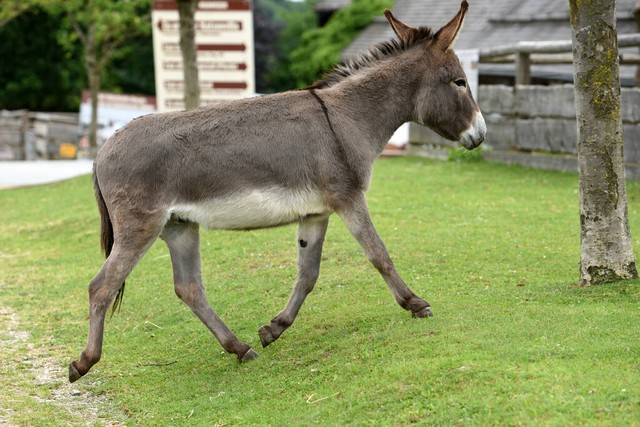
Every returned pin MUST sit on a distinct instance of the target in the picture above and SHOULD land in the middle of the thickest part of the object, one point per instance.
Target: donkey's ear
(402, 30)
(446, 36)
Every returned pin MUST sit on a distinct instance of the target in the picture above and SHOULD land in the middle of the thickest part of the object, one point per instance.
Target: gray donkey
(294, 157)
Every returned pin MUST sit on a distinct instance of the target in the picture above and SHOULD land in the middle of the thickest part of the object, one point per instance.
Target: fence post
(523, 68)
(24, 131)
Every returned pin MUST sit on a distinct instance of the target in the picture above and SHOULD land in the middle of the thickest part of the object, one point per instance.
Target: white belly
(257, 208)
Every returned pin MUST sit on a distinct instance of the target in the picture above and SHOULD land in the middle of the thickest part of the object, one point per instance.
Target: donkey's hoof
(266, 336)
(425, 312)
(249, 355)
(74, 375)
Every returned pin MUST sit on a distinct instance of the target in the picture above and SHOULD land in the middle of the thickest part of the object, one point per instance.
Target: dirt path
(39, 376)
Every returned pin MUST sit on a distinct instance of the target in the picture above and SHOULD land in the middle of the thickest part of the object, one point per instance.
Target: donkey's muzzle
(474, 135)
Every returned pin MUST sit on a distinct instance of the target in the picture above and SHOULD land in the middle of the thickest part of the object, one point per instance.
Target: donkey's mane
(377, 53)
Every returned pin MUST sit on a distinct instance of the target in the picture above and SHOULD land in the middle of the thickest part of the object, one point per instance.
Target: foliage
(282, 22)
(279, 24)
(131, 68)
(320, 48)
(10, 9)
(101, 26)
(39, 74)
(266, 34)
(45, 69)
(128, 66)
(493, 248)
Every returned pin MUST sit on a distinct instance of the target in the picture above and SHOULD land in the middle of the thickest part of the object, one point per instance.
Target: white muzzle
(474, 136)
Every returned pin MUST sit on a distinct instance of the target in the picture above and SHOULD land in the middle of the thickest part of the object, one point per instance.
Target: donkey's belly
(258, 208)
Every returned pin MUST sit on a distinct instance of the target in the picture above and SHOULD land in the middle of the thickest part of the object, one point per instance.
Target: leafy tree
(131, 68)
(38, 73)
(10, 9)
(43, 66)
(292, 19)
(101, 26)
(607, 253)
(320, 48)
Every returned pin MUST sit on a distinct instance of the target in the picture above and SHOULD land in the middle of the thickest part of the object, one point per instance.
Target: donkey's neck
(376, 101)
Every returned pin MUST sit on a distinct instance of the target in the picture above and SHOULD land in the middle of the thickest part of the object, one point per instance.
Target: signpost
(224, 42)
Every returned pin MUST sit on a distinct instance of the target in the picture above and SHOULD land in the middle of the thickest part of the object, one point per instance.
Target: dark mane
(376, 53)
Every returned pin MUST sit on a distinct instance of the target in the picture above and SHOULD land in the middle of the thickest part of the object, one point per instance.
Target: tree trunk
(187, 10)
(606, 251)
(93, 78)
(636, 15)
(94, 90)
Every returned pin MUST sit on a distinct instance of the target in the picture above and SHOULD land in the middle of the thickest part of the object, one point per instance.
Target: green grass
(494, 249)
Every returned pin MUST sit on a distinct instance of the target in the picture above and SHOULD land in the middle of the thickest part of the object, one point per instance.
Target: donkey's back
(217, 148)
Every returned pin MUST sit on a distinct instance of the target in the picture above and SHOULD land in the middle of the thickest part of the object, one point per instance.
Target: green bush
(320, 48)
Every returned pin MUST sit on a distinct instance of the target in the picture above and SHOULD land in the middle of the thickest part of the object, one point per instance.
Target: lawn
(494, 249)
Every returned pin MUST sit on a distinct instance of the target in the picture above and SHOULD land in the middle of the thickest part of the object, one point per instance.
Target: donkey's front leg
(310, 238)
(357, 219)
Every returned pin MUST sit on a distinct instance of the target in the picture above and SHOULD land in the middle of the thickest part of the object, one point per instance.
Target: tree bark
(187, 10)
(93, 77)
(606, 250)
(636, 15)
(94, 90)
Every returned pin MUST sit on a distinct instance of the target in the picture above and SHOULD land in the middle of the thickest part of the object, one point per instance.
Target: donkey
(293, 157)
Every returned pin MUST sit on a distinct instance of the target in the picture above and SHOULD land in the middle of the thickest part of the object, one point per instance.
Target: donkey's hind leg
(357, 219)
(124, 256)
(183, 240)
(310, 238)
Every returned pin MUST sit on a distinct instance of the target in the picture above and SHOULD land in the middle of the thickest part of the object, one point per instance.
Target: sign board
(224, 44)
(68, 151)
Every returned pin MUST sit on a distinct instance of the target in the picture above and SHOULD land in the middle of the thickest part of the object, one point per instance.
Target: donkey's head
(444, 101)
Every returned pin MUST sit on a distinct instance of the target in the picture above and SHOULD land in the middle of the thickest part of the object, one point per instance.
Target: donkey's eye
(461, 82)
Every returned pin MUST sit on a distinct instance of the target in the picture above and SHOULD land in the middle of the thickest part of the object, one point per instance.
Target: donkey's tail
(106, 235)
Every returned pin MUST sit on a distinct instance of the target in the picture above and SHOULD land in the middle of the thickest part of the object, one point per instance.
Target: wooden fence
(524, 54)
(536, 125)
(26, 135)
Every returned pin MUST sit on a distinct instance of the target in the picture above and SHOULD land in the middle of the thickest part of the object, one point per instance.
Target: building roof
(331, 5)
(490, 23)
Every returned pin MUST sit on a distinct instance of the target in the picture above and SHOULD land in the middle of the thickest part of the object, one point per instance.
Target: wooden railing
(524, 54)
(28, 135)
